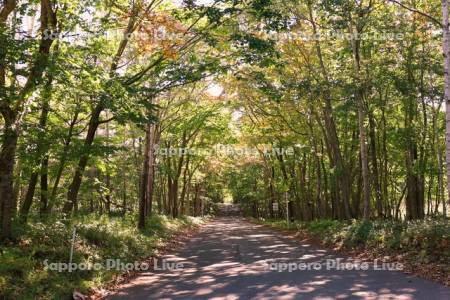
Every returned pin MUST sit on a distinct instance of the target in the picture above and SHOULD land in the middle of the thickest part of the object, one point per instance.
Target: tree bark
(9, 141)
(376, 177)
(359, 96)
(7, 158)
(184, 187)
(446, 51)
(143, 200)
(28, 201)
(154, 139)
(44, 187)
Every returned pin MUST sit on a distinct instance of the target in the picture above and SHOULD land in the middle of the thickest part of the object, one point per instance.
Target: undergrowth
(25, 265)
(428, 239)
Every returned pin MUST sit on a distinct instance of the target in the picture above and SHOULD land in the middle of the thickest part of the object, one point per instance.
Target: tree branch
(416, 11)
(7, 8)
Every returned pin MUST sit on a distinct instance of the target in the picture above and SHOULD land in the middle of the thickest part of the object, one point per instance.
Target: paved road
(234, 259)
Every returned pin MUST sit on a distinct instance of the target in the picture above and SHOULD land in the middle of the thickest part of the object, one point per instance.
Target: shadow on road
(230, 259)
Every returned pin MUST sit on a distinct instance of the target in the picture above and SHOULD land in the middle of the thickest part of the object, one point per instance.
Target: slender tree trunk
(387, 206)
(62, 161)
(28, 200)
(160, 193)
(108, 175)
(74, 187)
(145, 177)
(196, 205)
(272, 190)
(185, 184)
(108, 194)
(154, 139)
(376, 177)
(17, 186)
(44, 187)
(441, 185)
(174, 193)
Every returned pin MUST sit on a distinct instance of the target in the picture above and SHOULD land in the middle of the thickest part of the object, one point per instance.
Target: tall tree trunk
(154, 139)
(376, 178)
(446, 50)
(108, 175)
(10, 135)
(7, 158)
(184, 187)
(160, 193)
(385, 172)
(414, 182)
(174, 194)
(359, 96)
(330, 126)
(143, 200)
(196, 202)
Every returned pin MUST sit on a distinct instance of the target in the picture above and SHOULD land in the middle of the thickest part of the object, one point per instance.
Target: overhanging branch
(416, 11)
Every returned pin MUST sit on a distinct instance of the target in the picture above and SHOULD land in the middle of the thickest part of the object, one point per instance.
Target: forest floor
(35, 265)
(231, 258)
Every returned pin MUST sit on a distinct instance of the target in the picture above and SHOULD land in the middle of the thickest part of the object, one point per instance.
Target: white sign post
(275, 206)
(287, 210)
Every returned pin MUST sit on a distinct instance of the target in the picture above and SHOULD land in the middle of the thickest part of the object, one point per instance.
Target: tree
(14, 100)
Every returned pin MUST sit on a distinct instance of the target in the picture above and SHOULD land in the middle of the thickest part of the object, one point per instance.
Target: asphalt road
(234, 259)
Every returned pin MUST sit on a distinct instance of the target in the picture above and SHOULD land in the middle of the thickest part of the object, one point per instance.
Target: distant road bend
(231, 258)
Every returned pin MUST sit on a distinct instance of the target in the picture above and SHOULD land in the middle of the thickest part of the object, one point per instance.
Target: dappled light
(224, 149)
(219, 266)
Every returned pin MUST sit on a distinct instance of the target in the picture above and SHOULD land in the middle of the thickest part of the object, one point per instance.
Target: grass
(23, 271)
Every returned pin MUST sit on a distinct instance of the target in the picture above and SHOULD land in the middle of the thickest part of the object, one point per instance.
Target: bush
(325, 230)
(357, 234)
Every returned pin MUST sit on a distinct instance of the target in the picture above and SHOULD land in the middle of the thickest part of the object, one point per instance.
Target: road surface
(231, 258)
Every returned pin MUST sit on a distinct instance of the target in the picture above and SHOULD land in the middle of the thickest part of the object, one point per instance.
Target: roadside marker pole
(287, 210)
(71, 247)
